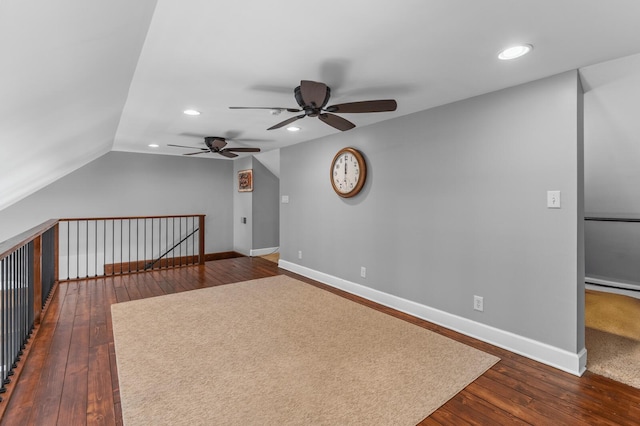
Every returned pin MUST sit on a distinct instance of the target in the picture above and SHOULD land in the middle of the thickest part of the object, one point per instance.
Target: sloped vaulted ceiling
(79, 78)
(65, 75)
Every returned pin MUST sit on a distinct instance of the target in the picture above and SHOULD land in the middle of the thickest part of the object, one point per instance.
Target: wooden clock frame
(362, 177)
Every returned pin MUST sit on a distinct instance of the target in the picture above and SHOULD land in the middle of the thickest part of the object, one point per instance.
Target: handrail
(127, 217)
(9, 246)
(611, 219)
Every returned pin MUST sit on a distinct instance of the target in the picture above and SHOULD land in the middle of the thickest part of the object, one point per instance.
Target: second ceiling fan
(217, 145)
(313, 97)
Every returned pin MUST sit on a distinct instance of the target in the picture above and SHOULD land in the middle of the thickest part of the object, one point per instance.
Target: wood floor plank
(70, 376)
(73, 404)
(21, 403)
(140, 282)
(478, 411)
(166, 285)
(113, 367)
(100, 404)
(430, 421)
(98, 326)
(122, 295)
(516, 403)
(571, 400)
(152, 285)
(173, 281)
(445, 416)
(133, 290)
(49, 391)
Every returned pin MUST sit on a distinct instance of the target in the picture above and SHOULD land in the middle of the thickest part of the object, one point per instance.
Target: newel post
(201, 241)
(37, 279)
(56, 253)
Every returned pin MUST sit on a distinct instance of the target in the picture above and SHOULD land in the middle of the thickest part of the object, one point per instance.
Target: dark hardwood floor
(70, 376)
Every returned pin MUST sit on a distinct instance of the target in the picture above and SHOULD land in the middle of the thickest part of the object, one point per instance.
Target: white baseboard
(263, 251)
(617, 287)
(550, 355)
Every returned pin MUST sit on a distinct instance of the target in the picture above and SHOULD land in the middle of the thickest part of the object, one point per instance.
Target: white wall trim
(263, 251)
(616, 287)
(611, 283)
(550, 355)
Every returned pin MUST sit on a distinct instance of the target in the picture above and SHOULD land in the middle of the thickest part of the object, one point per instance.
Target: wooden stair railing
(33, 263)
(27, 279)
(94, 247)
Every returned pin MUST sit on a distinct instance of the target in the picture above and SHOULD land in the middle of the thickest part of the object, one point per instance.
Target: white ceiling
(79, 78)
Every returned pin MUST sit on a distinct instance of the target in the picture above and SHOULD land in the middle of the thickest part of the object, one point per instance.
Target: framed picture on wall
(245, 180)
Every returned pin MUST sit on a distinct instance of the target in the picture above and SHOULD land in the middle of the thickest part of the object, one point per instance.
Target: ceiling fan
(217, 145)
(313, 97)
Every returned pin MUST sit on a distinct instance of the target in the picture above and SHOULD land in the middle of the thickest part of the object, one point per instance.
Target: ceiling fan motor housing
(210, 142)
(310, 110)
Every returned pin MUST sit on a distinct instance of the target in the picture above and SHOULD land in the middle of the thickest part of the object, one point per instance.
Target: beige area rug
(277, 351)
(612, 336)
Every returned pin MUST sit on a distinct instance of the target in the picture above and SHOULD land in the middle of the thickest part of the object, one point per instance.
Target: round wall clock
(348, 172)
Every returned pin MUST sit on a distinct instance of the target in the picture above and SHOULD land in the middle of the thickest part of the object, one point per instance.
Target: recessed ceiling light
(191, 112)
(514, 52)
(153, 145)
(293, 128)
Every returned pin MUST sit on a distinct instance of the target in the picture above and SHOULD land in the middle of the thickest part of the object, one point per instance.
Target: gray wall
(260, 207)
(242, 207)
(266, 208)
(128, 184)
(455, 206)
(613, 254)
(612, 175)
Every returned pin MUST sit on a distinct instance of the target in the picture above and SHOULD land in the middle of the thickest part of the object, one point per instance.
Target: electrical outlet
(299, 254)
(478, 303)
(363, 272)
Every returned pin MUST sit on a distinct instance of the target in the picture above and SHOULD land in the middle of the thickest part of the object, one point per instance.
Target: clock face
(348, 172)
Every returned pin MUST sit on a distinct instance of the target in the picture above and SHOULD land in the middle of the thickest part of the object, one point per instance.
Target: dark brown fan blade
(285, 122)
(364, 106)
(190, 147)
(337, 122)
(226, 153)
(242, 149)
(199, 152)
(277, 108)
(313, 93)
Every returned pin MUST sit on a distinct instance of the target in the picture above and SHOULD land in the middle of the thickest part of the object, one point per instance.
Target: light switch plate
(553, 199)
(285, 199)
